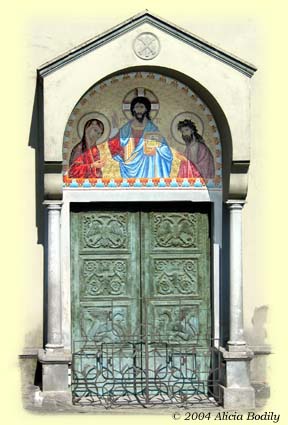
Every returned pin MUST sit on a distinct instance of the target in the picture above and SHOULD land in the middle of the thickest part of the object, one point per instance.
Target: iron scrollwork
(143, 372)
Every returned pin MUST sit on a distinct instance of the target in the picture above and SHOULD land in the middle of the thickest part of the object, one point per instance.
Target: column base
(54, 369)
(52, 347)
(55, 399)
(237, 346)
(237, 393)
(237, 398)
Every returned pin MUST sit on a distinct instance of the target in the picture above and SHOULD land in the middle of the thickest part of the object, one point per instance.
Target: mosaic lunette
(158, 135)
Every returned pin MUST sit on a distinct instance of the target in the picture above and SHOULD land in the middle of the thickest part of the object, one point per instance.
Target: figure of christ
(140, 149)
(85, 158)
(197, 160)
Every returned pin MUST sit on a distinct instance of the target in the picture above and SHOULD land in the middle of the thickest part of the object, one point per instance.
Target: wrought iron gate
(143, 373)
(141, 308)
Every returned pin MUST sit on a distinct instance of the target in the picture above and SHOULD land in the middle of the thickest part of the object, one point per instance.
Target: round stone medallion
(146, 46)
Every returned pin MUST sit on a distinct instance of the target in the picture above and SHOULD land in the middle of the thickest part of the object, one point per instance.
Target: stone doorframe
(223, 82)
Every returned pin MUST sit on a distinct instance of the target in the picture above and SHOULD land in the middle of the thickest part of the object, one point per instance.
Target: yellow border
(20, 254)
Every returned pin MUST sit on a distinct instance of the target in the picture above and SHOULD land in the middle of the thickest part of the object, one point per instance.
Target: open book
(151, 140)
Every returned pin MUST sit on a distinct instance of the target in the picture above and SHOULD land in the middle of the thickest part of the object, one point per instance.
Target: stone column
(237, 391)
(54, 359)
(54, 339)
(236, 340)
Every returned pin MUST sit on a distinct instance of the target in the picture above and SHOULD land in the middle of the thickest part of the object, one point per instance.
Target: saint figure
(85, 159)
(140, 149)
(197, 160)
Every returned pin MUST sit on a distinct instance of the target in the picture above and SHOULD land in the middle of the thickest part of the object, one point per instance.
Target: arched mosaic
(141, 130)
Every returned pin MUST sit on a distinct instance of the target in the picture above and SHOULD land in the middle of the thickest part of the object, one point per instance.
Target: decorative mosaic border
(142, 183)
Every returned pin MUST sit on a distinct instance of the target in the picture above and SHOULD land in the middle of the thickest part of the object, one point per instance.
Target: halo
(140, 91)
(97, 116)
(185, 116)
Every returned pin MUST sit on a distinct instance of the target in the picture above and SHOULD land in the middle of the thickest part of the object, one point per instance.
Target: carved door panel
(105, 275)
(176, 298)
(105, 295)
(140, 302)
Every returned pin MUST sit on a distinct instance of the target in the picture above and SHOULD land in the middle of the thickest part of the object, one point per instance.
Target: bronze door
(140, 304)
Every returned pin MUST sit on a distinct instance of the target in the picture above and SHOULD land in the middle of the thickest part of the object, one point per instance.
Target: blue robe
(140, 165)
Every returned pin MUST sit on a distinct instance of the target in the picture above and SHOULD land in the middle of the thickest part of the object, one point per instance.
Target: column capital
(235, 204)
(53, 205)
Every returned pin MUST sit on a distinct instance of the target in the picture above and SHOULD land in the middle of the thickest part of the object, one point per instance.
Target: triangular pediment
(132, 23)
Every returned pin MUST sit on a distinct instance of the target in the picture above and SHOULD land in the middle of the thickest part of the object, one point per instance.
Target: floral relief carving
(104, 231)
(176, 277)
(175, 230)
(104, 277)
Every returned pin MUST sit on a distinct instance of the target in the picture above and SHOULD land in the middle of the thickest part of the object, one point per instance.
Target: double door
(140, 303)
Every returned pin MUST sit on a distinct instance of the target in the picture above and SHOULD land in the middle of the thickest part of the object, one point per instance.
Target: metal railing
(145, 372)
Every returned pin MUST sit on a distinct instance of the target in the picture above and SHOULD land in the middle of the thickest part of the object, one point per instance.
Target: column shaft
(236, 289)
(54, 277)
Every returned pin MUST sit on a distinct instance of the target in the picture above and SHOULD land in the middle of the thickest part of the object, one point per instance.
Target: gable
(156, 22)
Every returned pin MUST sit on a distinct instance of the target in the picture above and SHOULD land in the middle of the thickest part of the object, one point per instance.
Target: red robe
(188, 170)
(80, 163)
(202, 166)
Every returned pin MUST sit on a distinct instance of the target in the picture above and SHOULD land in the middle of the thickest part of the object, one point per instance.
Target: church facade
(144, 152)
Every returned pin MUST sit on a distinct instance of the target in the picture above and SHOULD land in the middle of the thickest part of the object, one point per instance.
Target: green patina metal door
(140, 305)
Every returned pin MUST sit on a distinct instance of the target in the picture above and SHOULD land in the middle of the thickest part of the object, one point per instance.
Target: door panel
(175, 276)
(105, 275)
(106, 298)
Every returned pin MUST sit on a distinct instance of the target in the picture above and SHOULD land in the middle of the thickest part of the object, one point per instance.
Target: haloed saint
(197, 160)
(138, 146)
(85, 161)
